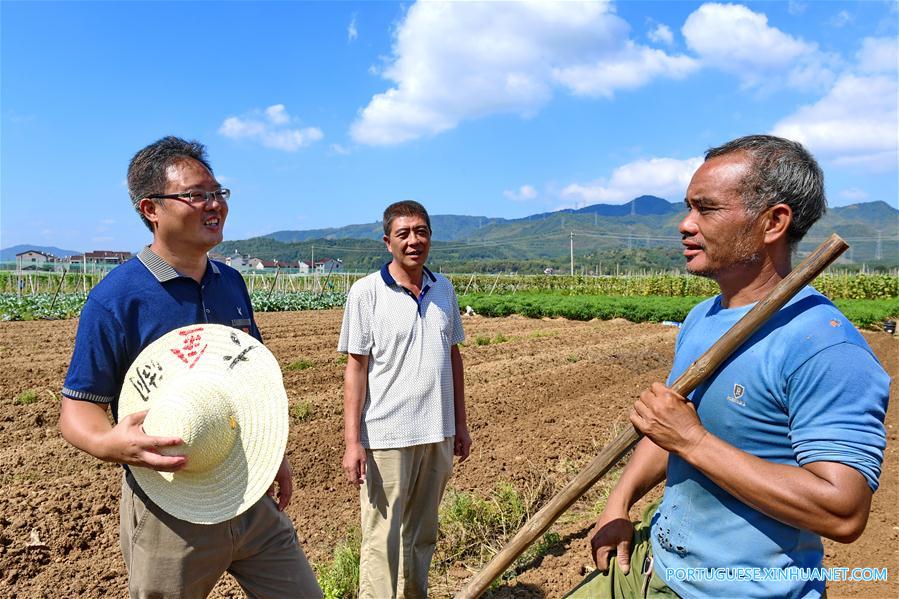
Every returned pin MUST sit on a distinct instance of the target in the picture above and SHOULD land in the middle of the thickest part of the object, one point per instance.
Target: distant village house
(99, 258)
(33, 260)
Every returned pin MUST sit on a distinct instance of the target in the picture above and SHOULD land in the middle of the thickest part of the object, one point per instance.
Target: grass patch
(342, 359)
(340, 578)
(26, 397)
(541, 334)
(302, 410)
(605, 485)
(300, 365)
(473, 529)
(573, 358)
(488, 340)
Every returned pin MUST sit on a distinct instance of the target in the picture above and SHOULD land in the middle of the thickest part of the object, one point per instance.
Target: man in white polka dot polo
(404, 405)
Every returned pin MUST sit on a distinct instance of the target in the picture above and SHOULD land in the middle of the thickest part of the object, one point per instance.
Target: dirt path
(544, 396)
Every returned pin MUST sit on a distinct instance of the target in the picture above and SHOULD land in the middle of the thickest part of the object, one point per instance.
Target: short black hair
(146, 171)
(404, 208)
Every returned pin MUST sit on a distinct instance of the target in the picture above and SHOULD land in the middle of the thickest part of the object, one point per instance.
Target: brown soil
(541, 404)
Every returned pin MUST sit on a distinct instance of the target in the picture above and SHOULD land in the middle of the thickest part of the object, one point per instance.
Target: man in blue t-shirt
(783, 443)
(171, 284)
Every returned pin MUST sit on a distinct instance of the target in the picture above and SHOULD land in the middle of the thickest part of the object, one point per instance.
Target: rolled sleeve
(837, 405)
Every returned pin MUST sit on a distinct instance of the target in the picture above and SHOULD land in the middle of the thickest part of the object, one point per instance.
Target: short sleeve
(458, 335)
(837, 401)
(355, 332)
(99, 348)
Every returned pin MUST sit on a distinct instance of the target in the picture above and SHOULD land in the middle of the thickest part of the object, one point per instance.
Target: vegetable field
(560, 389)
(865, 298)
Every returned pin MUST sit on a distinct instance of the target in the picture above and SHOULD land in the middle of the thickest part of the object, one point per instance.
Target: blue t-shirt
(139, 302)
(804, 388)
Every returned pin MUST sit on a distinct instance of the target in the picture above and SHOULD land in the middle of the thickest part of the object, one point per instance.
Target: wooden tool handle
(704, 366)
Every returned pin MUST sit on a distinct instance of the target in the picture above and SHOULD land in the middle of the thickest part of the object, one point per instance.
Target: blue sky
(321, 114)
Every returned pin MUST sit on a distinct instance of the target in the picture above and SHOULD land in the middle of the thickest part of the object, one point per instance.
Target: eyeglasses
(195, 198)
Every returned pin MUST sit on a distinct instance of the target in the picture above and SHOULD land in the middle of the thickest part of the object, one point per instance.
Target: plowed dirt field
(543, 398)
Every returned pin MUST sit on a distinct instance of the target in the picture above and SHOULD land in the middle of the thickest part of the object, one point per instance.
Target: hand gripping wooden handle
(704, 366)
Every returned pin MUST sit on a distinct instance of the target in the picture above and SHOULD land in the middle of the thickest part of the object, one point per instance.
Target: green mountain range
(641, 234)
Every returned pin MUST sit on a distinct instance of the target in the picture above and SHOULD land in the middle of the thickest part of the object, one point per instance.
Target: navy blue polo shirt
(139, 302)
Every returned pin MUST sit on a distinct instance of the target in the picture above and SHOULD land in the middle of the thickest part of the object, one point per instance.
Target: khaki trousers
(170, 558)
(399, 501)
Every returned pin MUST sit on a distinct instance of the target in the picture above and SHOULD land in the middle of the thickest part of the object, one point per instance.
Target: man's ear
(150, 211)
(777, 222)
(386, 242)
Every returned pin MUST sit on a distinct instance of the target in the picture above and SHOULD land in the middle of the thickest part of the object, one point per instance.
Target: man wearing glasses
(172, 283)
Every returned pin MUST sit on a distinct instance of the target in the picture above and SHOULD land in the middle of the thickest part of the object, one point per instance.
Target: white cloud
(661, 35)
(19, 119)
(525, 193)
(854, 124)
(796, 8)
(735, 39)
(731, 36)
(878, 55)
(457, 61)
(841, 19)
(351, 32)
(271, 128)
(277, 114)
(632, 67)
(664, 177)
(339, 149)
(854, 194)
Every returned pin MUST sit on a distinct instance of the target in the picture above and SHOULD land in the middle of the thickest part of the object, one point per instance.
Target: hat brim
(251, 377)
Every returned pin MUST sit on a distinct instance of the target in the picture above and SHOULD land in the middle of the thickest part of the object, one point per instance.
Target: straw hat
(219, 390)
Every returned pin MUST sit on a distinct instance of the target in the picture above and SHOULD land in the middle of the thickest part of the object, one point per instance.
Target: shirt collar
(162, 270)
(390, 281)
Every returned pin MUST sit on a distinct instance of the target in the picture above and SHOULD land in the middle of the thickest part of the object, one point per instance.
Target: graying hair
(780, 172)
(147, 170)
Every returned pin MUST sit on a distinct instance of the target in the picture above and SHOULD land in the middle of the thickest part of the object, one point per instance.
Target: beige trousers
(400, 498)
(170, 558)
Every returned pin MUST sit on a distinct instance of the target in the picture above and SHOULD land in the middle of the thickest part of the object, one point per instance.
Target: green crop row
(867, 312)
(68, 305)
(863, 312)
(834, 286)
(40, 306)
(638, 309)
(582, 307)
(296, 300)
